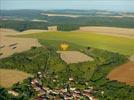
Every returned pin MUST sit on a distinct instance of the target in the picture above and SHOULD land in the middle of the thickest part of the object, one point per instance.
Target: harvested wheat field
(5, 31)
(74, 57)
(11, 45)
(121, 32)
(31, 31)
(10, 77)
(123, 73)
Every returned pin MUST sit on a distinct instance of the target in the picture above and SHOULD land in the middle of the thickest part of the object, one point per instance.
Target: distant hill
(72, 19)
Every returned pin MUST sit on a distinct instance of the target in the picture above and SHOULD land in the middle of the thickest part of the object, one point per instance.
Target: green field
(111, 43)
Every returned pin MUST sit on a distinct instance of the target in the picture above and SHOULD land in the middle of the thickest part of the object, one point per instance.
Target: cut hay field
(111, 43)
(10, 77)
(11, 45)
(74, 57)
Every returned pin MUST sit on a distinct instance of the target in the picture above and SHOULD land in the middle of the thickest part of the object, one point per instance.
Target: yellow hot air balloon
(64, 46)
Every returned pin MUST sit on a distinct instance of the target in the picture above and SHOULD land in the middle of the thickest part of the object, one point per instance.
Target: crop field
(123, 73)
(9, 77)
(11, 45)
(74, 57)
(121, 45)
(113, 31)
(6, 31)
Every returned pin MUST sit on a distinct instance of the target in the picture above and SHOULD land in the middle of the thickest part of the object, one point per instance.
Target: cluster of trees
(112, 90)
(22, 14)
(107, 61)
(22, 25)
(124, 22)
(24, 90)
(67, 27)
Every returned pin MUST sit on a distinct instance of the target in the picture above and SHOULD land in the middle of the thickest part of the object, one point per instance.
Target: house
(71, 79)
(77, 91)
(14, 93)
(75, 95)
(72, 89)
(68, 98)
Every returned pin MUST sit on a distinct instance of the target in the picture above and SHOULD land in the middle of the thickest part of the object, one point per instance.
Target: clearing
(10, 77)
(123, 73)
(74, 57)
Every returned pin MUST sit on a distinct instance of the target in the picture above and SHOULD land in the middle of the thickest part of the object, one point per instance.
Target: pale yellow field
(121, 32)
(7, 47)
(5, 31)
(74, 57)
(10, 77)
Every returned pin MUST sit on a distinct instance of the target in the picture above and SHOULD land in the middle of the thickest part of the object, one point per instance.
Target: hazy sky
(115, 5)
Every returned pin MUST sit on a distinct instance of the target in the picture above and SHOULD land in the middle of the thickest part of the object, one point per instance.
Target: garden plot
(74, 57)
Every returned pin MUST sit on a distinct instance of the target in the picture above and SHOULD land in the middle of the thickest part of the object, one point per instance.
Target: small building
(71, 79)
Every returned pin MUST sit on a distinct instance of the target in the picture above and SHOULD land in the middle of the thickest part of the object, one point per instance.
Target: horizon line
(73, 9)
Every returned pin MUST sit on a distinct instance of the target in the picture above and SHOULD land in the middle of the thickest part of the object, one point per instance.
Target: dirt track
(121, 32)
(123, 73)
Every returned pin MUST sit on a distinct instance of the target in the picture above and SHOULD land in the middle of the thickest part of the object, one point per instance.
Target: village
(65, 93)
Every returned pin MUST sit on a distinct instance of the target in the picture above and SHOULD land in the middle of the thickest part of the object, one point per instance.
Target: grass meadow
(121, 45)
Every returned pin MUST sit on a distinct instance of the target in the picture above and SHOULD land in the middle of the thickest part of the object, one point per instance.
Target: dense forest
(86, 18)
(23, 25)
